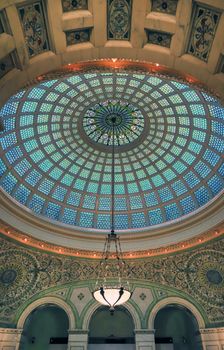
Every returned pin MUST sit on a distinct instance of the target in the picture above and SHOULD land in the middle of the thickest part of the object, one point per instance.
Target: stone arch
(177, 301)
(92, 308)
(43, 301)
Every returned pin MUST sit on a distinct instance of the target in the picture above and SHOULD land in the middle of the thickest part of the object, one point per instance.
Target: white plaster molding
(43, 301)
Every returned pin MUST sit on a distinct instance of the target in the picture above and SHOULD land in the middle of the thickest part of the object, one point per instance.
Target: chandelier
(110, 292)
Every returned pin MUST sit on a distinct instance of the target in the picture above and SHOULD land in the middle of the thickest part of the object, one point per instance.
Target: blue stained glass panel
(202, 195)
(36, 203)
(172, 211)
(53, 210)
(174, 168)
(69, 216)
(86, 219)
(155, 217)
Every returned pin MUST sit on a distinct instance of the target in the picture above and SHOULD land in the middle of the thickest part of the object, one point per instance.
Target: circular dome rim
(182, 78)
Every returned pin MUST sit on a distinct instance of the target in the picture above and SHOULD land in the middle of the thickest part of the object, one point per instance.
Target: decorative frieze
(34, 28)
(79, 36)
(119, 14)
(73, 5)
(198, 273)
(204, 25)
(166, 6)
(159, 38)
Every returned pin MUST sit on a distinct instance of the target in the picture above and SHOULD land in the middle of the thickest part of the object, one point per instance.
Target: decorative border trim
(28, 240)
(123, 65)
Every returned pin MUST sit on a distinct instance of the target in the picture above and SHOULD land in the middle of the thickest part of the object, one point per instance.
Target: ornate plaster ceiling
(168, 33)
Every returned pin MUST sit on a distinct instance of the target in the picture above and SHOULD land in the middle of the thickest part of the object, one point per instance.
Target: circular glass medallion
(8, 276)
(127, 120)
(214, 276)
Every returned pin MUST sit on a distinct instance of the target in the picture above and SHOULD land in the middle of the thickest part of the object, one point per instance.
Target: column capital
(78, 331)
(11, 330)
(144, 331)
(218, 330)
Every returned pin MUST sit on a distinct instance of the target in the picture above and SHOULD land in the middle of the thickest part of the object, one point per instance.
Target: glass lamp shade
(112, 296)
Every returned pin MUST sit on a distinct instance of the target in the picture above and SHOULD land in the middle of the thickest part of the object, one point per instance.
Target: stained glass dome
(56, 149)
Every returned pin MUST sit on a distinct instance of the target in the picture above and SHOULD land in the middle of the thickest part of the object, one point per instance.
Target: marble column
(211, 338)
(10, 338)
(77, 339)
(145, 339)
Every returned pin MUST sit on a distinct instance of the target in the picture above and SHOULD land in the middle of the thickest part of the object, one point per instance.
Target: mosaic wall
(198, 273)
(34, 28)
(205, 22)
(7, 63)
(73, 5)
(159, 38)
(119, 14)
(77, 36)
(166, 6)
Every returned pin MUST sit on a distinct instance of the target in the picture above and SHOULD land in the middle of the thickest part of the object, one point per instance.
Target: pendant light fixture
(112, 290)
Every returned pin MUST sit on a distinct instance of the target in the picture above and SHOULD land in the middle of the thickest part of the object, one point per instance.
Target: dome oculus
(128, 126)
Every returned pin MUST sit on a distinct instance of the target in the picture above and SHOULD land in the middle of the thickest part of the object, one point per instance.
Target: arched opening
(110, 331)
(46, 328)
(176, 329)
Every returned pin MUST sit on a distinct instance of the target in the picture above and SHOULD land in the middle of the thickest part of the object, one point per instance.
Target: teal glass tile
(14, 154)
(36, 93)
(89, 202)
(69, 216)
(104, 221)
(155, 217)
(216, 111)
(188, 205)
(104, 204)
(191, 96)
(33, 177)
(36, 204)
(21, 194)
(211, 157)
(120, 203)
(151, 199)
(29, 106)
(136, 202)
(46, 186)
(53, 211)
(74, 199)
(216, 143)
(138, 220)
(8, 141)
(202, 195)
(59, 193)
(191, 179)
(22, 167)
(10, 108)
(121, 221)
(179, 188)
(165, 194)
(172, 211)
(8, 182)
(86, 219)
(216, 184)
